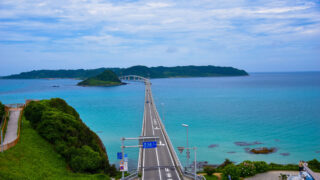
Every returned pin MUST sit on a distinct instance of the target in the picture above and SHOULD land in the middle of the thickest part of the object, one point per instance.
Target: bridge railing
(133, 78)
(170, 146)
(309, 171)
(191, 175)
(142, 130)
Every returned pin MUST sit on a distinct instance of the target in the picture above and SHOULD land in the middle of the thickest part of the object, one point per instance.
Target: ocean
(225, 114)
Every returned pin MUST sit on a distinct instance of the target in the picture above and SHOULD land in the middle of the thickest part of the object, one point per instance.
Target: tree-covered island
(106, 78)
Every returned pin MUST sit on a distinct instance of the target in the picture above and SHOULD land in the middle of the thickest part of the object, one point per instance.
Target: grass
(7, 114)
(213, 177)
(34, 158)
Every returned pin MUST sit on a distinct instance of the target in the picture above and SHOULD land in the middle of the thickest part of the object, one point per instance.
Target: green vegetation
(251, 168)
(209, 170)
(35, 158)
(213, 177)
(287, 167)
(314, 165)
(61, 126)
(106, 78)
(2, 112)
(231, 170)
(152, 72)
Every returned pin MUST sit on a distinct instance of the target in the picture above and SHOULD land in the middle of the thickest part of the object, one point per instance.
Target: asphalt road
(157, 162)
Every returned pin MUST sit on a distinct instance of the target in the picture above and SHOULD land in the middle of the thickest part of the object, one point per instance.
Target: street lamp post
(187, 147)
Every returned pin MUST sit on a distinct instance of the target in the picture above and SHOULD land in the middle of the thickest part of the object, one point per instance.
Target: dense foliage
(251, 168)
(209, 170)
(231, 170)
(260, 166)
(247, 168)
(106, 78)
(60, 125)
(34, 158)
(314, 165)
(152, 72)
(2, 111)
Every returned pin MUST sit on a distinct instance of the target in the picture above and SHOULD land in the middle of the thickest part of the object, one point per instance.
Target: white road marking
(169, 175)
(151, 118)
(158, 163)
(169, 151)
(157, 120)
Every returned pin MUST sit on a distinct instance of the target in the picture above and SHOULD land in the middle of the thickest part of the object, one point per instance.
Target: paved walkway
(272, 175)
(12, 128)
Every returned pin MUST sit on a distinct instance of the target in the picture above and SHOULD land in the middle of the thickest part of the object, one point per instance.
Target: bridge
(133, 78)
(162, 162)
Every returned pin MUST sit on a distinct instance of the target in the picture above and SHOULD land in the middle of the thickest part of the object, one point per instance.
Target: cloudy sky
(255, 35)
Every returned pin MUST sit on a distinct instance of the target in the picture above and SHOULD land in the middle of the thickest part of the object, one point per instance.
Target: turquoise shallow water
(280, 110)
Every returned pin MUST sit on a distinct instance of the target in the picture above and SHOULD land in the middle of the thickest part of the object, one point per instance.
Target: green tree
(261, 166)
(209, 170)
(231, 170)
(2, 111)
(247, 168)
(60, 125)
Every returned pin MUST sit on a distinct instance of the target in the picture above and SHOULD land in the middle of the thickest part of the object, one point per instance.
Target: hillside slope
(61, 126)
(106, 78)
(35, 158)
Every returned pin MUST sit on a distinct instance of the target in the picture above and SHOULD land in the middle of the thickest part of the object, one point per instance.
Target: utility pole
(195, 158)
(122, 150)
(195, 163)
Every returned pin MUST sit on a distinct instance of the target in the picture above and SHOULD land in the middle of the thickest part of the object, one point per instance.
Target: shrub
(33, 112)
(225, 163)
(209, 170)
(247, 168)
(60, 124)
(261, 166)
(289, 167)
(2, 111)
(62, 105)
(85, 160)
(231, 170)
(314, 165)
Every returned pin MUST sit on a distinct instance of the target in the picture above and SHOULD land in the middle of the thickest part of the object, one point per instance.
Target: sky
(254, 35)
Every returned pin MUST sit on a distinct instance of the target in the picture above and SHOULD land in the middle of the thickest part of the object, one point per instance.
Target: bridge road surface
(157, 162)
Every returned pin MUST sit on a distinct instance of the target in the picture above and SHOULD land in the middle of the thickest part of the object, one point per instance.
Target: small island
(106, 78)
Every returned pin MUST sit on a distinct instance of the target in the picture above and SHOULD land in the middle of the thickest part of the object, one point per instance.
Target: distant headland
(150, 72)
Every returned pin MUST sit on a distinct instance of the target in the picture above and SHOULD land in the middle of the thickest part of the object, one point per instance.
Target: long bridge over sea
(162, 162)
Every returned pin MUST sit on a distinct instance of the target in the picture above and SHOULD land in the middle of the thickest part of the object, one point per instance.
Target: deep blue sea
(279, 110)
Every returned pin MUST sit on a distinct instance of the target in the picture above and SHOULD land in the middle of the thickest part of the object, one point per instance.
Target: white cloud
(136, 27)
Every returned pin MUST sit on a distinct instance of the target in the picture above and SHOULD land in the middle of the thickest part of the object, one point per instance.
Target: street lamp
(187, 147)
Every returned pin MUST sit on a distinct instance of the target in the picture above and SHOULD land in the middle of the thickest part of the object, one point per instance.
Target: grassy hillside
(60, 125)
(152, 72)
(35, 158)
(106, 78)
